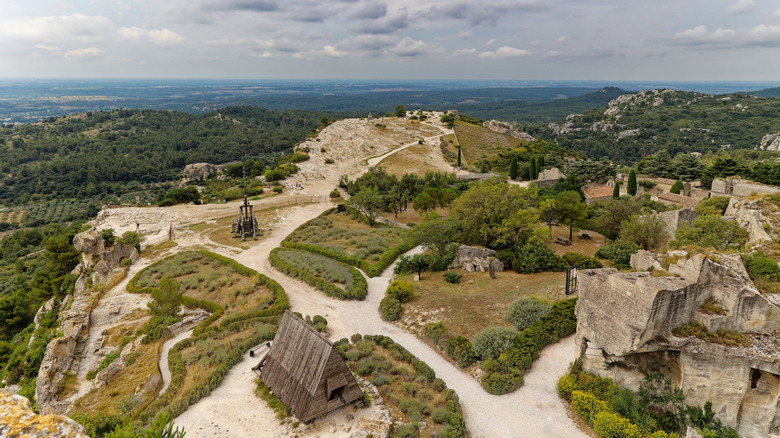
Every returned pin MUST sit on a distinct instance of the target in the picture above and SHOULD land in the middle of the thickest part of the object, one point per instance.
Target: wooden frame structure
(246, 222)
(306, 372)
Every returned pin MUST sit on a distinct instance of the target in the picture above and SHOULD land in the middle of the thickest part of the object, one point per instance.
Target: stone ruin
(473, 259)
(199, 172)
(625, 324)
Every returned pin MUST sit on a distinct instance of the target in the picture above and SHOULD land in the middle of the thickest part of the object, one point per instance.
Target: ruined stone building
(625, 324)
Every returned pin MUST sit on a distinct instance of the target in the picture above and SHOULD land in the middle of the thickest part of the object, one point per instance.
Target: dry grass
(414, 159)
(477, 142)
(477, 301)
(587, 247)
(115, 334)
(155, 252)
(204, 356)
(107, 399)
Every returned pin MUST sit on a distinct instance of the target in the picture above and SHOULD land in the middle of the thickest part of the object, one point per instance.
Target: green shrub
(587, 406)
(437, 333)
(532, 258)
(677, 187)
(618, 252)
(523, 312)
(760, 266)
(390, 308)
(452, 277)
(401, 291)
(611, 425)
(573, 258)
(714, 205)
(334, 194)
(565, 386)
(440, 416)
(410, 264)
(492, 341)
(499, 383)
(460, 350)
(381, 380)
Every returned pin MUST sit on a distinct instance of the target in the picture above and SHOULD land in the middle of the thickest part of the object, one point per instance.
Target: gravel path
(165, 372)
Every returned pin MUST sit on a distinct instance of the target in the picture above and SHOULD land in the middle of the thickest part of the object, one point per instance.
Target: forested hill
(638, 125)
(87, 154)
(767, 92)
(522, 112)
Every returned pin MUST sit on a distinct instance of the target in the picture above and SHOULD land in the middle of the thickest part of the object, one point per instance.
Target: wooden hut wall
(334, 369)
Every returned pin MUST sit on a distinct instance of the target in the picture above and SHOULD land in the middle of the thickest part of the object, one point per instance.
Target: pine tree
(631, 187)
(513, 169)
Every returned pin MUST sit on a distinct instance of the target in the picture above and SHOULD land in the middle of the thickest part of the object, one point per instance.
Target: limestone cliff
(17, 419)
(626, 320)
(506, 128)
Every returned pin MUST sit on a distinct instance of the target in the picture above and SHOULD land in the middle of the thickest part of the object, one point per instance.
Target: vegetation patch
(342, 237)
(720, 336)
(420, 404)
(330, 276)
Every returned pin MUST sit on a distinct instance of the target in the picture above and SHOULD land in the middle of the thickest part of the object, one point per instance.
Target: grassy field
(411, 393)
(477, 301)
(477, 142)
(587, 247)
(343, 234)
(319, 266)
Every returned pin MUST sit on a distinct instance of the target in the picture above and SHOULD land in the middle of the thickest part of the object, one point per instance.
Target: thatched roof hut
(306, 372)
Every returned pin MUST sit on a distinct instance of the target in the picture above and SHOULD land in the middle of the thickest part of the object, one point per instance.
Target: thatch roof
(306, 372)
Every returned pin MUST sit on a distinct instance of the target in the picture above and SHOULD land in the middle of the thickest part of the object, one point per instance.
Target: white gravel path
(167, 345)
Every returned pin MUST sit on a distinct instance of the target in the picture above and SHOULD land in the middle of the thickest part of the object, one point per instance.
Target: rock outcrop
(749, 216)
(673, 219)
(474, 259)
(627, 320)
(770, 142)
(17, 419)
(199, 172)
(506, 128)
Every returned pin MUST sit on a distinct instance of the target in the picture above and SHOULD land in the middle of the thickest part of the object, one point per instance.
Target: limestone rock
(506, 128)
(107, 374)
(749, 216)
(199, 172)
(474, 259)
(110, 260)
(89, 242)
(17, 419)
(673, 219)
(770, 142)
(643, 260)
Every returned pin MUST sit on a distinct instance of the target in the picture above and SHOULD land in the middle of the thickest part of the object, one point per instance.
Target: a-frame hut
(306, 372)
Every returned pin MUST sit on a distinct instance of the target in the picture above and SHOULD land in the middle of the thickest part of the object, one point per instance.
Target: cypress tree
(513, 168)
(616, 191)
(458, 155)
(539, 165)
(631, 187)
(532, 169)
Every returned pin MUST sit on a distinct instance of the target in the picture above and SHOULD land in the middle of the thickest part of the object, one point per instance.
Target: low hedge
(356, 292)
(390, 308)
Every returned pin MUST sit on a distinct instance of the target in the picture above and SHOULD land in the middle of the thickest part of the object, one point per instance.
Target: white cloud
(553, 53)
(505, 52)
(464, 52)
(535, 43)
(765, 34)
(742, 6)
(76, 27)
(562, 39)
(699, 35)
(47, 48)
(333, 52)
(775, 14)
(490, 42)
(90, 52)
(464, 35)
(409, 47)
(161, 37)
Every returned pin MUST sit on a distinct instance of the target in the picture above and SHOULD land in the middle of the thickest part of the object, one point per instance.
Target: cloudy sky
(697, 40)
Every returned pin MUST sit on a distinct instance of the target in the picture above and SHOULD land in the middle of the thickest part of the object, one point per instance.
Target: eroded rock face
(770, 142)
(673, 219)
(749, 216)
(17, 419)
(627, 319)
(506, 128)
(199, 172)
(474, 259)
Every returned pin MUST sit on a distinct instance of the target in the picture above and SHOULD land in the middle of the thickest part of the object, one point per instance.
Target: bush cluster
(492, 341)
(400, 290)
(460, 350)
(573, 258)
(390, 308)
(618, 252)
(523, 312)
(452, 277)
(356, 285)
(532, 258)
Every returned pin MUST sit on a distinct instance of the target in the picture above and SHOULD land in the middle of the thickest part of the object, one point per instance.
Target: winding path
(532, 411)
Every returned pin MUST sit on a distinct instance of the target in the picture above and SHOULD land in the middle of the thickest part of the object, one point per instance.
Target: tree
(513, 169)
(166, 300)
(108, 236)
(459, 155)
(132, 238)
(368, 202)
(647, 231)
(711, 231)
(589, 170)
(540, 163)
(631, 185)
(400, 111)
(437, 234)
(658, 165)
(616, 191)
(676, 187)
(607, 216)
(495, 214)
(570, 208)
(532, 169)
(547, 211)
(687, 167)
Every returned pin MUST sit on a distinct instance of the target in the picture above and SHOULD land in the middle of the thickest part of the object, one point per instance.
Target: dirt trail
(165, 372)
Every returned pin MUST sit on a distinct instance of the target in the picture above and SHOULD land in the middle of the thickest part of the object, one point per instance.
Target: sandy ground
(233, 410)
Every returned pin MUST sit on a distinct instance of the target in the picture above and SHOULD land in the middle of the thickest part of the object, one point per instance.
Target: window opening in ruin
(755, 376)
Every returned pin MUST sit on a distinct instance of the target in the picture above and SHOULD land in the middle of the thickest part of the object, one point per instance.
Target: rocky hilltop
(632, 323)
(17, 419)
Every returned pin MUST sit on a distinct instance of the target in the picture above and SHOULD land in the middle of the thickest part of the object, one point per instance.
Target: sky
(674, 40)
